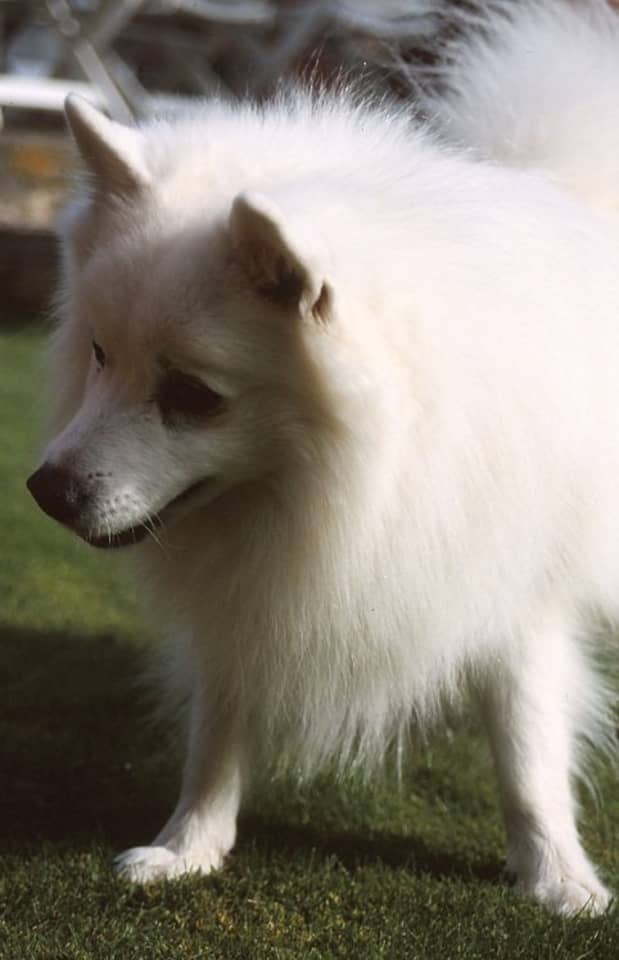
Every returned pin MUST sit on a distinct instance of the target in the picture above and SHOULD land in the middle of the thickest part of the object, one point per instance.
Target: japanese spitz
(354, 391)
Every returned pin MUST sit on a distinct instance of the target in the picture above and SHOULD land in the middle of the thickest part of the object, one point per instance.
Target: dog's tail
(535, 84)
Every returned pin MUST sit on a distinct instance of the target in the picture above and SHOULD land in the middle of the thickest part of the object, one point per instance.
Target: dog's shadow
(80, 766)
(356, 849)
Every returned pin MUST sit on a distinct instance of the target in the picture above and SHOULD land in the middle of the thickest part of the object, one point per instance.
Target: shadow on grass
(78, 761)
(355, 849)
(79, 764)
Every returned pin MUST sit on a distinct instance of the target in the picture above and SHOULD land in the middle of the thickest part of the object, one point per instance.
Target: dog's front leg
(202, 828)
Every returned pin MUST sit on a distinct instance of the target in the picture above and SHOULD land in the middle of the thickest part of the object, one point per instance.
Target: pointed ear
(112, 152)
(280, 256)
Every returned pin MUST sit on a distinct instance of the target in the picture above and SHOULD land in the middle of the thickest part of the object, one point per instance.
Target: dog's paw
(569, 896)
(147, 864)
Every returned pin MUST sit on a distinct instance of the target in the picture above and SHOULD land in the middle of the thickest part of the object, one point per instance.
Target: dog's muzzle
(59, 494)
(62, 496)
(72, 502)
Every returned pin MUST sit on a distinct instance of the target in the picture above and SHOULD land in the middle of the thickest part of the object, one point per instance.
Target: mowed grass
(409, 869)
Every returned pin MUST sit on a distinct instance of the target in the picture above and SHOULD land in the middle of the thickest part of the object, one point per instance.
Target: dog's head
(191, 320)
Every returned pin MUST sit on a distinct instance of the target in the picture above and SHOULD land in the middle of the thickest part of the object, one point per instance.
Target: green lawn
(410, 869)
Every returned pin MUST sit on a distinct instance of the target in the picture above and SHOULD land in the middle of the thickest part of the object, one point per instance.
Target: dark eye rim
(184, 397)
(99, 353)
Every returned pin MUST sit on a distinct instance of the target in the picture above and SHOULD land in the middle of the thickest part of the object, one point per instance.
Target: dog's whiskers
(152, 523)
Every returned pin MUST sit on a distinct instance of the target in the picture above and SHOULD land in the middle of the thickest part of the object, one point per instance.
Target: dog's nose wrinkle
(58, 493)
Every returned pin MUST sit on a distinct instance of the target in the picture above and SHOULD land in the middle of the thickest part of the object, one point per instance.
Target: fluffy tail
(535, 84)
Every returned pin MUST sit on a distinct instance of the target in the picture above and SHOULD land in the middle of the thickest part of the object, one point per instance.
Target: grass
(320, 871)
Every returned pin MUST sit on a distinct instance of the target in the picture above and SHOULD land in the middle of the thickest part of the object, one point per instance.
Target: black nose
(58, 493)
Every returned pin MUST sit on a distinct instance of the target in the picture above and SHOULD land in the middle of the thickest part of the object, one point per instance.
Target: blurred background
(137, 57)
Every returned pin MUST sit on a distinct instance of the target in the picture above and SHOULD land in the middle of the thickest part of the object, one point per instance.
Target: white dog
(362, 389)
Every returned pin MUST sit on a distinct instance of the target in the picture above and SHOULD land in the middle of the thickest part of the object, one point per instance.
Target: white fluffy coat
(413, 484)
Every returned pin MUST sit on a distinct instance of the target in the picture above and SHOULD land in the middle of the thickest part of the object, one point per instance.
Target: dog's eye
(183, 397)
(99, 354)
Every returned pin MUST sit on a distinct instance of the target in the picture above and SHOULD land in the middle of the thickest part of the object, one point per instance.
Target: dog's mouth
(138, 532)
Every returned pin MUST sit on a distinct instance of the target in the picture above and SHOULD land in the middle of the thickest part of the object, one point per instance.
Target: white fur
(534, 84)
(414, 493)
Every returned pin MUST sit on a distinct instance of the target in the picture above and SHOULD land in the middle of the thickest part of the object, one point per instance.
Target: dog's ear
(279, 255)
(112, 152)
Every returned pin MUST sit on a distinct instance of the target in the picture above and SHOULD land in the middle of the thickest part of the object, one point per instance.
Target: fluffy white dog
(362, 389)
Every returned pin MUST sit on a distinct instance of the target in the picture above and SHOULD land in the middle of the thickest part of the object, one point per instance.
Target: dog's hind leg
(202, 828)
(536, 698)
